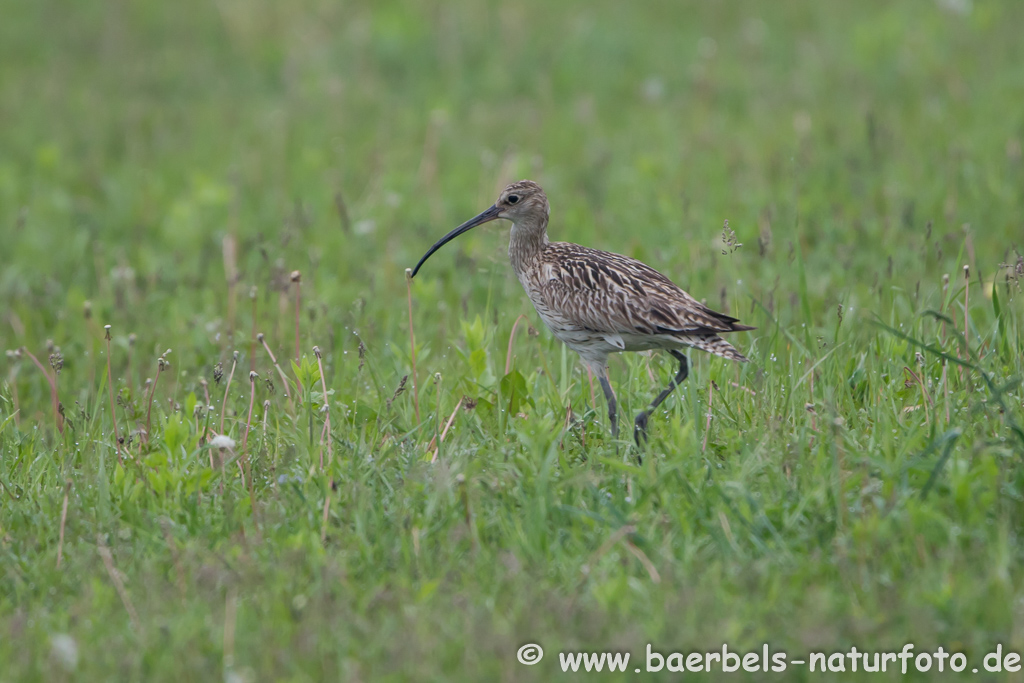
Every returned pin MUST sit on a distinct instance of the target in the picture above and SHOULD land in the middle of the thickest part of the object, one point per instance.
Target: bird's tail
(716, 345)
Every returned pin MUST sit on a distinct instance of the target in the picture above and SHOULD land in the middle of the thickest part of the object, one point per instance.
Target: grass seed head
(398, 391)
(729, 239)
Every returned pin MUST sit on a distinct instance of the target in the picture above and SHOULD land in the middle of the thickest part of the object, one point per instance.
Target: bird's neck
(528, 239)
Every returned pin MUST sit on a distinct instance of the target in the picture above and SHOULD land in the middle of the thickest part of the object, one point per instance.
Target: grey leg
(640, 425)
(613, 407)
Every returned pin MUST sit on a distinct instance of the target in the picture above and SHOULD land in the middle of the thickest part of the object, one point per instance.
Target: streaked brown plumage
(598, 302)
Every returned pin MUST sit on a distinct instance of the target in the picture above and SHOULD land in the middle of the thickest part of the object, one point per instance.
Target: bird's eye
(513, 198)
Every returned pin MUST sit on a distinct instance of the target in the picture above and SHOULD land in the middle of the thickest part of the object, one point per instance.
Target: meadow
(236, 189)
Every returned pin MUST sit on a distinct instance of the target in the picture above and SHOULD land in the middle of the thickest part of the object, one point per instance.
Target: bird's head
(522, 202)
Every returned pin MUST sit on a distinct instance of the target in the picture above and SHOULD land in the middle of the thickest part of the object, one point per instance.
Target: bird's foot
(640, 429)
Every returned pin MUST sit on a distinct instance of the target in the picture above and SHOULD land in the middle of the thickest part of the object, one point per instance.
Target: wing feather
(605, 292)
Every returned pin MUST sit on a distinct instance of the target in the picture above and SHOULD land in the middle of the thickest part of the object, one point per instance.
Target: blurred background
(343, 138)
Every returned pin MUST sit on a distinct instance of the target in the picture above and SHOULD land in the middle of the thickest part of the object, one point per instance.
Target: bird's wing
(604, 292)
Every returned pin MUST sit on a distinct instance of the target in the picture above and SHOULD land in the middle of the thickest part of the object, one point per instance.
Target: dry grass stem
(110, 388)
(511, 338)
(58, 422)
(227, 389)
(261, 338)
(161, 363)
(412, 344)
(115, 578)
(327, 412)
(297, 281)
(63, 520)
(444, 432)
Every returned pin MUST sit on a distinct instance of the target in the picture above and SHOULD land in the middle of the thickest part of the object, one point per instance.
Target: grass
(166, 168)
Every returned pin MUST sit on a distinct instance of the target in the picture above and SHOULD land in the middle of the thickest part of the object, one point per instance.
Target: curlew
(597, 302)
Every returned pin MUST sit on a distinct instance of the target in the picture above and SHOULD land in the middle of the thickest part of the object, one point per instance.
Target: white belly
(593, 344)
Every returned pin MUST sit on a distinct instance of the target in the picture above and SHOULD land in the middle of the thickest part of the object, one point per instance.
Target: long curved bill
(485, 217)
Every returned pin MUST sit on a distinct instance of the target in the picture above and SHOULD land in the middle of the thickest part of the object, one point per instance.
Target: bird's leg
(640, 425)
(613, 408)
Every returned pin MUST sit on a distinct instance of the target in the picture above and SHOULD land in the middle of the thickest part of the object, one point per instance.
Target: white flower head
(64, 650)
(222, 441)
